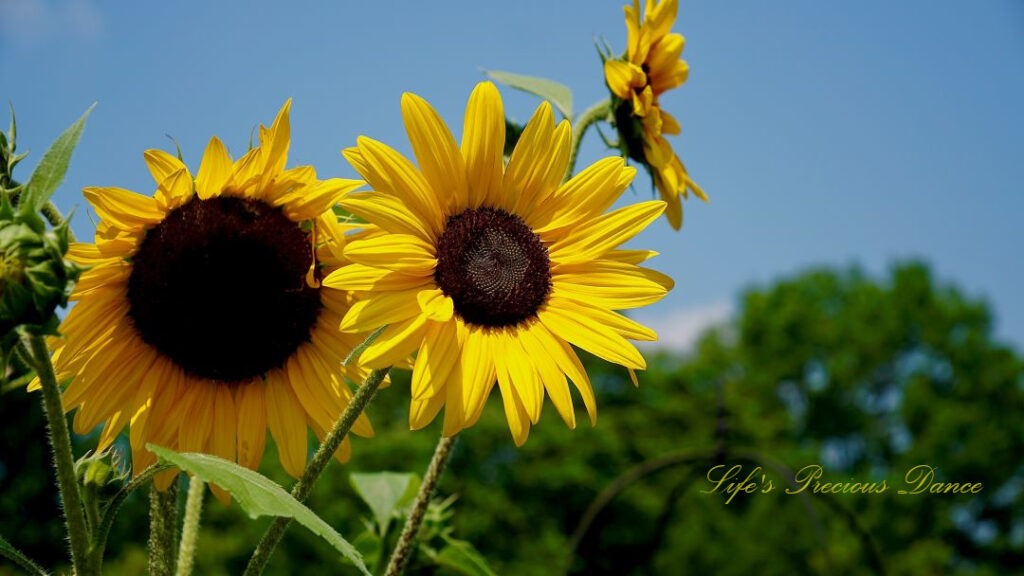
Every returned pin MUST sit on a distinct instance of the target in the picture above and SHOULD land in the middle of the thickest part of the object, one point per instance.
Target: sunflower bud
(34, 278)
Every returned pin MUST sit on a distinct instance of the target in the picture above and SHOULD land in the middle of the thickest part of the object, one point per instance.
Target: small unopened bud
(34, 277)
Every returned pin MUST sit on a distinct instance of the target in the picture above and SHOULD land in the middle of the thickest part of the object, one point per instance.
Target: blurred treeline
(865, 376)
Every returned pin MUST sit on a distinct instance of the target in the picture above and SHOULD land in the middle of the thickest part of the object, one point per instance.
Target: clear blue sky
(824, 132)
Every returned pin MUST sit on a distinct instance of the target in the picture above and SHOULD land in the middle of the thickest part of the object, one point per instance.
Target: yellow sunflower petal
(526, 382)
(599, 340)
(380, 309)
(360, 277)
(388, 171)
(477, 362)
(550, 374)
(438, 155)
(659, 16)
(581, 309)
(223, 440)
(199, 400)
(483, 143)
(435, 361)
(388, 212)
(274, 152)
(399, 252)
(174, 190)
(252, 423)
(423, 412)
(435, 305)
(615, 286)
(287, 423)
(589, 193)
(395, 343)
(162, 164)
(595, 237)
(214, 170)
(622, 77)
(675, 76)
(569, 363)
(310, 203)
(124, 208)
(515, 414)
(669, 124)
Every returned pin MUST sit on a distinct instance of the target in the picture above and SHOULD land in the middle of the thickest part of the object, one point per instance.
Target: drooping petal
(287, 422)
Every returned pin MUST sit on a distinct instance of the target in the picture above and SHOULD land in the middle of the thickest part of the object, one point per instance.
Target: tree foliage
(866, 377)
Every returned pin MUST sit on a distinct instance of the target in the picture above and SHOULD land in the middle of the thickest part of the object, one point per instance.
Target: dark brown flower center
(219, 287)
(493, 267)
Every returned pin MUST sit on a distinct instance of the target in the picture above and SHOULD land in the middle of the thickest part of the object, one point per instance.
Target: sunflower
(493, 272)
(201, 320)
(651, 67)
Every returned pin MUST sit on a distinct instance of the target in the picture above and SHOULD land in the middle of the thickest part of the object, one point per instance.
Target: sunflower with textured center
(492, 271)
(201, 320)
(651, 67)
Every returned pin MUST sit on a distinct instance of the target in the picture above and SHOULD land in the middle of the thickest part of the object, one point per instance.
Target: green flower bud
(34, 277)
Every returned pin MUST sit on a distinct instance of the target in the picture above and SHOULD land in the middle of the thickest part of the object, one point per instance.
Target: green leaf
(52, 168)
(462, 557)
(385, 493)
(258, 496)
(559, 95)
(371, 547)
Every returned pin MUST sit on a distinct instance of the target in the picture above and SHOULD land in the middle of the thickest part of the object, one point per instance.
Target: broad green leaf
(258, 495)
(559, 95)
(385, 493)
(52, 168)
(462, 557)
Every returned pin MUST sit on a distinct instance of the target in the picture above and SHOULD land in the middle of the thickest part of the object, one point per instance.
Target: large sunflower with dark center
(490, 271)
(200, 322)
(219, 286)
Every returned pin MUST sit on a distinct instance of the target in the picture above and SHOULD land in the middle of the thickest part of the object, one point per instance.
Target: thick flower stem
(163, 526)
(190, 530)
(60, 441)
(588, 118)
(316, 466)
(412, 524)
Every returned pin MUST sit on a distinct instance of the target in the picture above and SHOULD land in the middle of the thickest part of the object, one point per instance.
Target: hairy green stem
(316, 466)
(60, 441)
(99, 539)
(15, 555)
(588, 118)
(190, 530)
(412, 524)
(163, 527)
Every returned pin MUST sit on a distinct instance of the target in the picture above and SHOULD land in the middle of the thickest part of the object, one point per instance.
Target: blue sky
(824, 132)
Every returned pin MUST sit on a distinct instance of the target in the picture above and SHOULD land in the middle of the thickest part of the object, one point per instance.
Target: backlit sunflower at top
(493, 272)
(650, 67)
(201, 320)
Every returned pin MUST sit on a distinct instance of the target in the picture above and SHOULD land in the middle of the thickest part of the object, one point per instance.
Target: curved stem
(625, 481)
(316, 466)
(15, 555)
(99, 540)
(163, 526)
(190, 530)
(591, 116)
(419, 507)
(60, 441)
(54, 217)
